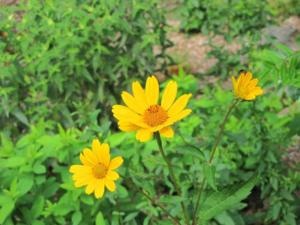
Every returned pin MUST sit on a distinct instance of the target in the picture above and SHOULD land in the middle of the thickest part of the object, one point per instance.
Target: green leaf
(209, 173)
(38, 206)
(39, 169)
(76, 217)
(24, 184)
(7, 205)
(100, 219)
(218, 202)
(21, 117)
(13, 162)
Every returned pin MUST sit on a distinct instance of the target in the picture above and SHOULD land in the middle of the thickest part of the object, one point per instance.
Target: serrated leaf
(218, 202)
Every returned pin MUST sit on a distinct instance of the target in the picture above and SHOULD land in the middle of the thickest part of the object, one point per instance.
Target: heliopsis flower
(97, 170)
(145, 115)
(245, 87)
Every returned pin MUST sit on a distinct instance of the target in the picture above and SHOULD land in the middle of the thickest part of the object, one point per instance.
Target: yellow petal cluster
(245, 87)
(142, 112)
(97, 170)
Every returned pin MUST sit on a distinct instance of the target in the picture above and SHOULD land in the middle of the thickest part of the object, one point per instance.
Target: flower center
(99, 170)
(155, 115)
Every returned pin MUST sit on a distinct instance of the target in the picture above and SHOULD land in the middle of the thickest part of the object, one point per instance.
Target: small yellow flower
(143, 114)
(97, 170)
(245, 87)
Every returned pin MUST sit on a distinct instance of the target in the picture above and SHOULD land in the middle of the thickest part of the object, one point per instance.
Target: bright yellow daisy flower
(144, 115)
(97, 170)
(245, 87)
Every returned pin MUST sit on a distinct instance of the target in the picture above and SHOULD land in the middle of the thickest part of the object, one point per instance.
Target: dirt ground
(191, 50)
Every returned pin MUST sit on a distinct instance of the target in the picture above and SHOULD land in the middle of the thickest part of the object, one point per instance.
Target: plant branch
(216, 143)
(172, 174)
(174, 219)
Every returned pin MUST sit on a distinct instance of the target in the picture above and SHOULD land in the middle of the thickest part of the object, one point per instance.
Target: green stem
(217, 141)
(155, 203)
(172, 174)
(221, 130)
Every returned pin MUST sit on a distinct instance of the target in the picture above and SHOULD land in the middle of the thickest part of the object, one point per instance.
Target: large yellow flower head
(245, 87)
(97, 170)
(145, 115)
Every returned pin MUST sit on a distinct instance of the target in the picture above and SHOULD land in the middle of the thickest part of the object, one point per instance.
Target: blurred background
(63, 64)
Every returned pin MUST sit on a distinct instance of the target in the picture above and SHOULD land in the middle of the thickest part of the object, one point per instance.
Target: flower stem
(221, 130)
(172, 174)
(174, 219)
(217, 141)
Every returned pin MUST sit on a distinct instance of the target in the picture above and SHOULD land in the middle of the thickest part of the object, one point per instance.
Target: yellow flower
(143, 114)
(97, 170)
(245, 87)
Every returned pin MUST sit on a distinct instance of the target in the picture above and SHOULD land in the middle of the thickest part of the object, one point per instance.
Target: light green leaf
(100, 219)
(6, 207)
(24, 184)
(76, 217)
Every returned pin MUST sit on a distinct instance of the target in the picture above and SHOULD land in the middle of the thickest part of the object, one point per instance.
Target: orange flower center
(99, 170)
(155, 115)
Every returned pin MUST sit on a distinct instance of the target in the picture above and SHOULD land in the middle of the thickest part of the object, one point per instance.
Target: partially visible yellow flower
(245, 87)
(97, 170)
(145, 115)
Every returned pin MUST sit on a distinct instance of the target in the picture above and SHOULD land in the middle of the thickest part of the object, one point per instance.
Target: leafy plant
(60, 59)
(232, 17)
(280, 62)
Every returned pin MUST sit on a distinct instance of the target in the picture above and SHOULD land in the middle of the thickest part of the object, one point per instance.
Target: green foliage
(36, 187)
(59, 59)
(284, 8)
(63, 64)
(280, 63)
(231, 17)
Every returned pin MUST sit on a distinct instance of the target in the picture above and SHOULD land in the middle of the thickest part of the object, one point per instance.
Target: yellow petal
(167, 132)
(258, 91)
(179, 105)
(99, 189)
(85, 161)
(79, 184)
(234, 84)
(143, 135)
(248, 77)
(77, 168)
(105, 154)
(90, 187)
(252, 83)
(179, 116)
(112, 175)
(152, 90)
(253, 93)
(96, 147)
(111, 186)
(82, 177)
(115, 163)
(88, 157)
(123, 113)
(169, 95)
(130, 101)
(127, 126)
(82, 180)
(249, 97)
(139, 95)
